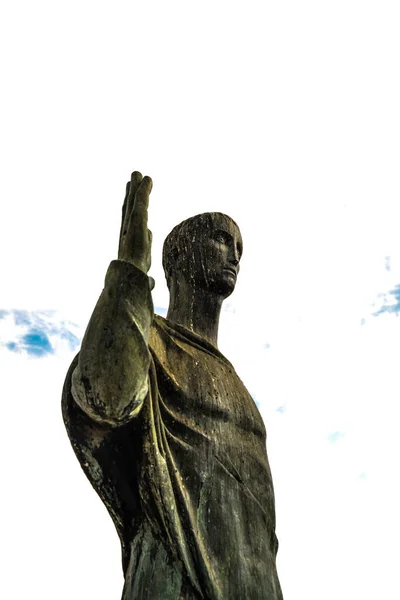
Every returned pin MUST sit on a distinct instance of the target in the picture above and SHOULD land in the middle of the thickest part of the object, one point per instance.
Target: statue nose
(233, 255)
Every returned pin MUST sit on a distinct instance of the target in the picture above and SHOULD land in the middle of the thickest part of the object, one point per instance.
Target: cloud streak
(37, 333)
(391, 302)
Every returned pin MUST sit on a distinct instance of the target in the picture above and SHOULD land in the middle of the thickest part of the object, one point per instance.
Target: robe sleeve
(110, 381)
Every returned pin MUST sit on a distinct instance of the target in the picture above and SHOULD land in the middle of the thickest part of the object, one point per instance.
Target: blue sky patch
(281, 409)
(36, 343)
(160, 310)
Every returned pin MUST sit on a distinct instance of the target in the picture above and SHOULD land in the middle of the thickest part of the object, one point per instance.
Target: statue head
(204, 251)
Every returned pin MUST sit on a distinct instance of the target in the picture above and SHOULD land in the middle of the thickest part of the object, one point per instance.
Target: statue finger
(129, 201)
(136, 179)
(124, 207)
(142, 199)
(138, 235)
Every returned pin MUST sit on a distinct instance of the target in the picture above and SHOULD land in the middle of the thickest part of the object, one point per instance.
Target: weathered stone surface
(164, 428)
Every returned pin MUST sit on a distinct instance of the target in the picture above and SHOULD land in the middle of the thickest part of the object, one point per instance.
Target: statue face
(217, 251)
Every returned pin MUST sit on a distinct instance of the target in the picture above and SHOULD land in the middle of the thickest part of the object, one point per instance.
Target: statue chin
(225, 293)
(226, 286)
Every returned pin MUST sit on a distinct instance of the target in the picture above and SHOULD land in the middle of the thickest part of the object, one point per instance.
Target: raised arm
(110, 381)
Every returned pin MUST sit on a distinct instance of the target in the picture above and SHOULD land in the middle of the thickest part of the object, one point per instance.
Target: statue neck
(196, 309)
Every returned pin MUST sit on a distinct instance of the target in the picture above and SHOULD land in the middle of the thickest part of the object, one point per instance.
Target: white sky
(284, 115)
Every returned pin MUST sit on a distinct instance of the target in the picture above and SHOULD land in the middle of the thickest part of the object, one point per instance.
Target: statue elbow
(105, 405)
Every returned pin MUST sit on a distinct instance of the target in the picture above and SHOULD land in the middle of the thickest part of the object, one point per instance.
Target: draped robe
(187, 479)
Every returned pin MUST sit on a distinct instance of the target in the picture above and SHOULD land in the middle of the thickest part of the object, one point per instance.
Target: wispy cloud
(391, 302)
(36, 333)
(335, 436)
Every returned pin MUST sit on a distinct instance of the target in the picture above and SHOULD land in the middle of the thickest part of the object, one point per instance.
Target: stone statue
(163, 427)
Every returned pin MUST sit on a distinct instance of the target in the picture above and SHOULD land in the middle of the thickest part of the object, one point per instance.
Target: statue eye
(220, 237)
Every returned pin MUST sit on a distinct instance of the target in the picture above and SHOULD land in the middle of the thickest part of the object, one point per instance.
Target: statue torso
(214, 440)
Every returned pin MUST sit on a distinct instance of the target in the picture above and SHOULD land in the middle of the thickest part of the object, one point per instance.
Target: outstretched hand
(135, 238)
